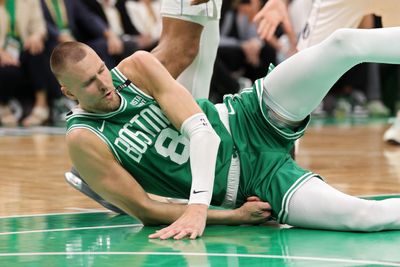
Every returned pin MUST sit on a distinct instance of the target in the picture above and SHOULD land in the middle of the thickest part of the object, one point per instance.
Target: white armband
(204, 144)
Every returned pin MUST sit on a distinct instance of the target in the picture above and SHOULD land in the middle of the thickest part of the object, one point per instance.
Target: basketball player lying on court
(136, 129)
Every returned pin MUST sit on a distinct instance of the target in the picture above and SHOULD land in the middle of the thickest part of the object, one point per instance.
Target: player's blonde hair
(65, 53)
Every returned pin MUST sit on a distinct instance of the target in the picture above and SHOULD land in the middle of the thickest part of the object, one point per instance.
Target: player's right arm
(95, 162)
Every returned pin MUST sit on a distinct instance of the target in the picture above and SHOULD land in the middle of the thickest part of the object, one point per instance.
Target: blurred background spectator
(242, 56)
(136, 23)
(23, 61)
(69, 20)
(146, 18)
(30, 29)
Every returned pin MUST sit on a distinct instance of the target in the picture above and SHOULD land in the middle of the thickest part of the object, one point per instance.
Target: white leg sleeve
(296, 86)
(197, 77)
(317, 205)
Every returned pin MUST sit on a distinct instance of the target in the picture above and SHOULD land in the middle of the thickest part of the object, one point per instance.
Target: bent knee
(342, 41)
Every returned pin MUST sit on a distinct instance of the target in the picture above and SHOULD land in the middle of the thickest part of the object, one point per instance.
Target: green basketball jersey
(148, 146)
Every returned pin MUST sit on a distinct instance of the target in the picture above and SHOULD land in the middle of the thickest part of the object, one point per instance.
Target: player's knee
(181, 52)
(342, 42)
(186, 53)
(341, 37)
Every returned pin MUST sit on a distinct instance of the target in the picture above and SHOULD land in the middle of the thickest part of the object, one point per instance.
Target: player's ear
(67, 93)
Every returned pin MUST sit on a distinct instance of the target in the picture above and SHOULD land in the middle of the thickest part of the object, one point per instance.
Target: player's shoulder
(139, 68)
(81, 137)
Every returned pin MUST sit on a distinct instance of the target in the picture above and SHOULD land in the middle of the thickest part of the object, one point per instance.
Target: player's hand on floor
(191, 224)
(254, 211)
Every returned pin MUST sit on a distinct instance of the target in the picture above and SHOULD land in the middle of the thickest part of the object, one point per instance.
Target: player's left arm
(145, 71)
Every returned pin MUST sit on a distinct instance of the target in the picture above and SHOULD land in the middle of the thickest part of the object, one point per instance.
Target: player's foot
(73, 178)
(392, 135)
(38, 116)
(377, 109)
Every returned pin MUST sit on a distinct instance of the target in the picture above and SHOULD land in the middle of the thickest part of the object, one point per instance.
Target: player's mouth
(109, 95)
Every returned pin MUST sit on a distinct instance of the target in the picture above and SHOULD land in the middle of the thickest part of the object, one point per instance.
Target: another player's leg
(178, 45)
(388, 10)
(390, 17)
(197, 77)
(317, 205)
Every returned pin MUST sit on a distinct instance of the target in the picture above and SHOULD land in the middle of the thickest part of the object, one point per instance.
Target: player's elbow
(144, 212)
(148, 218)
(154, 213)
(139, 58)
(149, 222)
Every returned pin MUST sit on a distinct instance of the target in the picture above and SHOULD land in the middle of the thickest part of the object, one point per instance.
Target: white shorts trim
(234, 169)
(211, 9)
(283, 214)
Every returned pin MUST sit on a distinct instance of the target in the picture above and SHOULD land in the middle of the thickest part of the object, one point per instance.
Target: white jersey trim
(133, 87)
(283, 214)
(100, 135)
(79, 112)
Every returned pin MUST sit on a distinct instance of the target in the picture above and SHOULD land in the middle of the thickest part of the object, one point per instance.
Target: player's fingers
(157, 234)
(271, 30)
(169, 234)
(194, 235)
(258, 18)
(287, 25)
(266, 214)
(181, 234)
(266, 206)
(153, 235)
(253, 198)
(266, 33)
(160, 232)
(261, 26)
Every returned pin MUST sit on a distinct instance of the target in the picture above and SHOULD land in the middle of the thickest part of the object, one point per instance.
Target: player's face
(89, 81)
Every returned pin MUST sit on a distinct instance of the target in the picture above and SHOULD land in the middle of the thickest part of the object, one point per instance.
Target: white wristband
(204, 144)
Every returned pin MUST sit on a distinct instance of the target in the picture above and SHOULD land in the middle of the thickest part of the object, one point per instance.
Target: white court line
(71, 229)
(52, 214)
(382, 195)
(337, 260)
(87, 210)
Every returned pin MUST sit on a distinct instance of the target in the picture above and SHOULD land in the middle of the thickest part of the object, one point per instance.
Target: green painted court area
(105, 239)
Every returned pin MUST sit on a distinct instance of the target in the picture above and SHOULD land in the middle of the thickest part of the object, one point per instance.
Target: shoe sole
(79, 184)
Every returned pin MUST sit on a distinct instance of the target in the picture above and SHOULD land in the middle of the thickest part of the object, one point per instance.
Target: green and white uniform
(266, 167)
(252, 159)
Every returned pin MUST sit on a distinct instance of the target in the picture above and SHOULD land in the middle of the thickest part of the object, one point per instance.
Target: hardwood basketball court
(45, 222)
